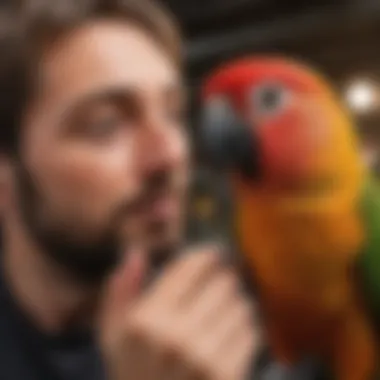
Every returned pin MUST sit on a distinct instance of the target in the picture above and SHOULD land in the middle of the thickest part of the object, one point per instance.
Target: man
(94, 172)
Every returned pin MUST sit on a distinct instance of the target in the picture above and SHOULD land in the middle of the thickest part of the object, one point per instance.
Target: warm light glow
(361, 95)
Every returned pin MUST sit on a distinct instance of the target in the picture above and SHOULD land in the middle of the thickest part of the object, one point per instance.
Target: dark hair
(29, 27)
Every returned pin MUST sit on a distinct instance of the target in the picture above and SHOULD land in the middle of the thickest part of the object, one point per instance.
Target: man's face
(104, 151)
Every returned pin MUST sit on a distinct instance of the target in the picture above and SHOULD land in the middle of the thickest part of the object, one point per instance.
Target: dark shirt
(26, 354)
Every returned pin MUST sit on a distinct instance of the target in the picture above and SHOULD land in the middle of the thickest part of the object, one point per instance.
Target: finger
(216, 337)
(244, 344)
(237, 359)
(130, 277)
(213, 300)
(123, 287)
(184, 277)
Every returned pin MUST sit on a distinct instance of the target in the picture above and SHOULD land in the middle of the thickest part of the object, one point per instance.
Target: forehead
(102, 54)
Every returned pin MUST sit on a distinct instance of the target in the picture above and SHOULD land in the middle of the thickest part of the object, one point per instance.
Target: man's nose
(158, 149)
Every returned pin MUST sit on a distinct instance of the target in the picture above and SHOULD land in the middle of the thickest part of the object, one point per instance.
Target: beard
(87, 261)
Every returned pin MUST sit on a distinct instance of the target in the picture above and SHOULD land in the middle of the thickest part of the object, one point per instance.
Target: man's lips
(163, 206)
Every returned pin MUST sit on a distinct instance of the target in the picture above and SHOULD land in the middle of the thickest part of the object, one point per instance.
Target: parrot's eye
(269, 99)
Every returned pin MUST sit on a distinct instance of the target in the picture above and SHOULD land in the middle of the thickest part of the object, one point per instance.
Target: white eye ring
(269, 99)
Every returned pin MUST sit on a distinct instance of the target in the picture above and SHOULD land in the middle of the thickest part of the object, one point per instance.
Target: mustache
(157, 185)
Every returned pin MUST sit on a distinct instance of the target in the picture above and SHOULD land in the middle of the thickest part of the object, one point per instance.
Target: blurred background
(339, 37)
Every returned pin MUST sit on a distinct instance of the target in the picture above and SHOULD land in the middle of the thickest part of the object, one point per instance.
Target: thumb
(122, 289)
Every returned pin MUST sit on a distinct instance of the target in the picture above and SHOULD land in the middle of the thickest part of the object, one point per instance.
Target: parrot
(306, 211)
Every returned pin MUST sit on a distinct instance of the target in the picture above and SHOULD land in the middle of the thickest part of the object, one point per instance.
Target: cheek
(285, 146)
(87, 181)
(296, 141)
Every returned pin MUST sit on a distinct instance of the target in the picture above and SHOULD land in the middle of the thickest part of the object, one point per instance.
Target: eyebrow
(111, 94)
(121, 94)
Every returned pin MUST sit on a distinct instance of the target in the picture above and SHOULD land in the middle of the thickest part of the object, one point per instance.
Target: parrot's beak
(230, 144)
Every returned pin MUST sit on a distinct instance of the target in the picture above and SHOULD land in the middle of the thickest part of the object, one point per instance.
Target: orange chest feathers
(299, 258)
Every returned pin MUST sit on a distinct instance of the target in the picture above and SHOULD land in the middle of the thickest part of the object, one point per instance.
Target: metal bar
(302, 26)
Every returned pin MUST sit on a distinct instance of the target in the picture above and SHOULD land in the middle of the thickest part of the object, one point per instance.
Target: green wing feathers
(369, 261)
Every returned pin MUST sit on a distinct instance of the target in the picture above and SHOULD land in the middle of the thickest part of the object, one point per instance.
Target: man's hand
(193, 323)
